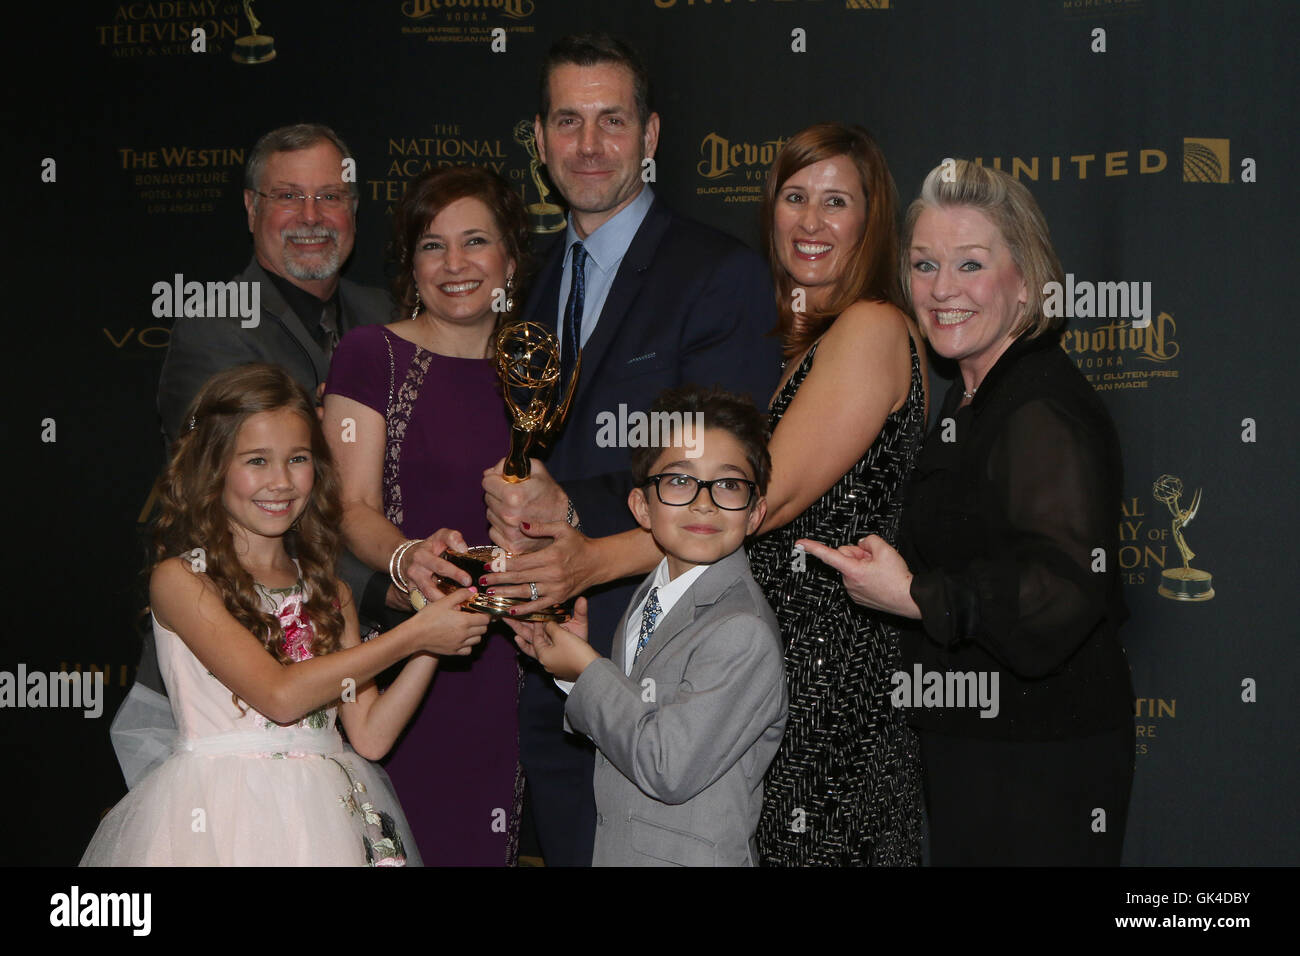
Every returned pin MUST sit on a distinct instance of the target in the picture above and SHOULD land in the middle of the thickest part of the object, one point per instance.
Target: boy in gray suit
(688, 712)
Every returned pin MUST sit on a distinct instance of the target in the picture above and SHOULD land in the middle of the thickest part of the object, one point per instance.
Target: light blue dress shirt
(605, 250)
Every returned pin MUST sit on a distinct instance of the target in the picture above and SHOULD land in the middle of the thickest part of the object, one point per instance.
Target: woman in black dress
(1007, 559)
(847, 422)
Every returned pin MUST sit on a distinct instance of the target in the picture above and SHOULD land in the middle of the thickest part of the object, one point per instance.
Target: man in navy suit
(655, 301)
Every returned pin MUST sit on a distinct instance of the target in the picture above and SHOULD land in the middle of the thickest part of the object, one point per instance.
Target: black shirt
(309, 310)
(1001, 526)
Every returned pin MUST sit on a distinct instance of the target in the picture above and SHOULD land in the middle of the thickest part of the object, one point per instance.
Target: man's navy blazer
(689, 305)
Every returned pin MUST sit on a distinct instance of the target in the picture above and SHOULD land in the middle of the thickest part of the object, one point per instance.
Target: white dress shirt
(670, 592)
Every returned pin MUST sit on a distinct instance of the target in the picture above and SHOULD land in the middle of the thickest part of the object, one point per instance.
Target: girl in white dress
(259, 646)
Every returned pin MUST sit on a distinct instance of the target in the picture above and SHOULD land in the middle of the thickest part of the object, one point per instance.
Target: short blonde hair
(1012, 210)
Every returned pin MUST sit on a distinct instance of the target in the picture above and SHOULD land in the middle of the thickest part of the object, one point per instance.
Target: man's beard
(322, 264)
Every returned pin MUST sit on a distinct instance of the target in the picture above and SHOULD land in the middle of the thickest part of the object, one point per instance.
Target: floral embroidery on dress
(379, 836)
(397, 418)
(379, 833)
(295, 644)
(296, 626)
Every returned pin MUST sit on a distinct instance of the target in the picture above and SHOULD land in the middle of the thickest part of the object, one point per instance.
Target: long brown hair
(193, 516)
(872, 268)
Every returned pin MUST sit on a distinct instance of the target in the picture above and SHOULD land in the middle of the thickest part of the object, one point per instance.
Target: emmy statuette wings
(528, 361)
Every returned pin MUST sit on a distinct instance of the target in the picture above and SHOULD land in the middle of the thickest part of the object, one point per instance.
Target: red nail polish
(525, 525)
(483, 580)
(511, 612)
(491, 590)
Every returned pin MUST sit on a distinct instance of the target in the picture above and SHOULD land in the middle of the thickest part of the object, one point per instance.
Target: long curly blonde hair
(193, 516)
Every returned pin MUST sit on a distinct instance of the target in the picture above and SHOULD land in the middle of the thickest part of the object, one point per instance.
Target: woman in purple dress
(414, 414)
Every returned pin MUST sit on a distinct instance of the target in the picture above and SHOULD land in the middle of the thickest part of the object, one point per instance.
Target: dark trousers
(560, 766)
(559, 769)
(1027, 803)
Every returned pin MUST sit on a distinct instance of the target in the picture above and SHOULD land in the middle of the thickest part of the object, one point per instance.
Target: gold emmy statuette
(1185, 583)
(543, 217)
(528, 361)
(256, 48)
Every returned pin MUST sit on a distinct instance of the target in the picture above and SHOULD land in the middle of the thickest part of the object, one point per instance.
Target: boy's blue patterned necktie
(649, 618)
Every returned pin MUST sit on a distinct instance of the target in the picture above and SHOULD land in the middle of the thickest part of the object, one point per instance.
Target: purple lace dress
(456, 768)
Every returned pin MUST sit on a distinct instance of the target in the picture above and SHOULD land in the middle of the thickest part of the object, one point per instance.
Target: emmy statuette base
(500, 607)
(476, 562)
(253, 49)
(1186, 584)
(545, 218)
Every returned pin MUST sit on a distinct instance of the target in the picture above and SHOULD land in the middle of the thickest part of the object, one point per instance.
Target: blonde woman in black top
(1013, 671)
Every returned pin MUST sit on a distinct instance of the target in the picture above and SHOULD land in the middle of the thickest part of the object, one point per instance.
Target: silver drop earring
(416, 311)
(510, 288)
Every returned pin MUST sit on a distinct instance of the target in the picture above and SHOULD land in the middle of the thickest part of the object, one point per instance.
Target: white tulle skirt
(231, 800)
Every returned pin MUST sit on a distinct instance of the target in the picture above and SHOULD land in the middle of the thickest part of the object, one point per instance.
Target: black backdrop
(1167, 157)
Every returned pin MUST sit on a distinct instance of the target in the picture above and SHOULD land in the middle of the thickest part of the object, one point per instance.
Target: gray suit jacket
(685, 740)
(201, 347)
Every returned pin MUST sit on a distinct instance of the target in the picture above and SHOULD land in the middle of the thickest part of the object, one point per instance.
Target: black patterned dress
(844, 789)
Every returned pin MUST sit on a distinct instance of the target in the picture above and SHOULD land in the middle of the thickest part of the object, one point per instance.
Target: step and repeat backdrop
(1157, 135)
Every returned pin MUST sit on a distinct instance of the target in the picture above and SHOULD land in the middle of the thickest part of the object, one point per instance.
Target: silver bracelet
(395, 564)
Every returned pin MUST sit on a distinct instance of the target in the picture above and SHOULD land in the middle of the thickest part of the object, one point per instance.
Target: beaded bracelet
(571, 517)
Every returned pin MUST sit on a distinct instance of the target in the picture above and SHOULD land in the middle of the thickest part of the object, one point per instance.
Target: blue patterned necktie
(573, 316)
(649, 618)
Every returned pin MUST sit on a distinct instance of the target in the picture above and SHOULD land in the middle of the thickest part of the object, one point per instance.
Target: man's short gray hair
(288, 139)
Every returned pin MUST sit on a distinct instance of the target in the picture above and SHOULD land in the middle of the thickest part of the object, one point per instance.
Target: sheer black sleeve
(1032, 597)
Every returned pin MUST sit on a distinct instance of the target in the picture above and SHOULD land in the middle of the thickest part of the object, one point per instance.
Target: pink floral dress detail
(242, 790)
